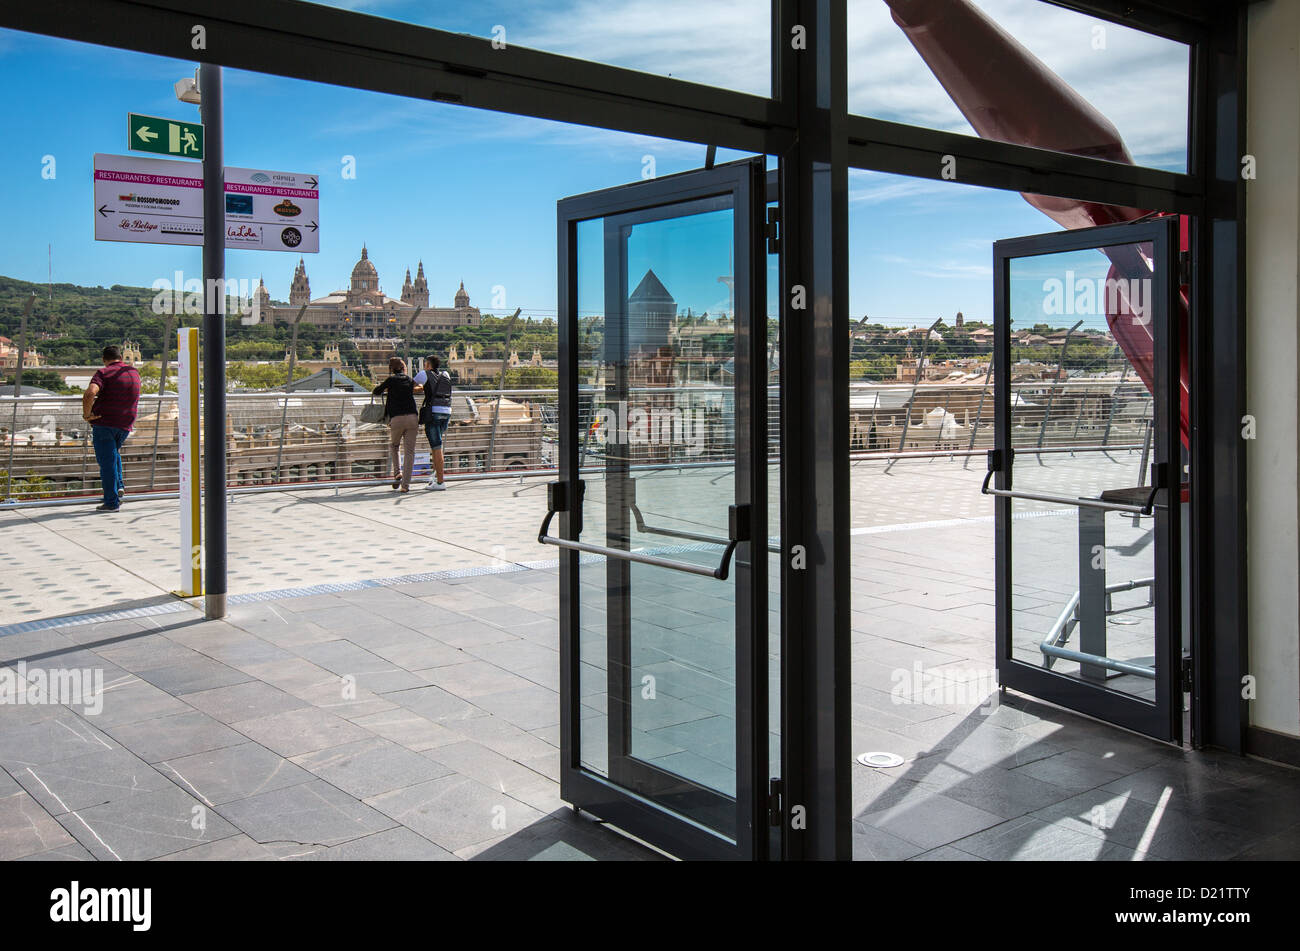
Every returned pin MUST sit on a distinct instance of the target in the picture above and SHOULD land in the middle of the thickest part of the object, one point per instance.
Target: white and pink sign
(160, 201)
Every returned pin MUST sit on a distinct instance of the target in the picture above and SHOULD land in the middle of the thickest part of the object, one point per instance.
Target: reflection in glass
(657, 442)
(725, 44)
(1022, 71)
(1083, 577)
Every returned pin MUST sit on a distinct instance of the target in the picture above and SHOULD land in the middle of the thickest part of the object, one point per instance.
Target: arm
(380, 388)
(88, 402)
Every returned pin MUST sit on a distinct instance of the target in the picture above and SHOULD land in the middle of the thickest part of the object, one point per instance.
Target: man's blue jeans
(108, 453)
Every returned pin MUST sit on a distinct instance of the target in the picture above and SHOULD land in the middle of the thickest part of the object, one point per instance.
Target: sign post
(214, 343)
(187, 399)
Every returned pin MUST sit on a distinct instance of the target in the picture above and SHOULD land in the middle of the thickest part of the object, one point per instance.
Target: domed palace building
(365, 311)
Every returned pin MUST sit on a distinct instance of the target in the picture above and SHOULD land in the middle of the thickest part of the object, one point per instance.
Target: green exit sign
(164, 136)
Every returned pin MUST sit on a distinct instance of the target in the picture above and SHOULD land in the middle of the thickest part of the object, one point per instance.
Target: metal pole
(947, 399)
(920, 370)
(1114, 397)
(157, 415)
(1078, 419)
(18, 391)
(284, 407)
(979, 411)
(214, 342)
(410, 329)
(501, 385)
(1060, 368)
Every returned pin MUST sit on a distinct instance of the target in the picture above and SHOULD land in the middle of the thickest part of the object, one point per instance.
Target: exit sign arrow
(145, 134)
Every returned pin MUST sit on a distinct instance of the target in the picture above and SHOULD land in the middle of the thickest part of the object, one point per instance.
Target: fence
(317, 438)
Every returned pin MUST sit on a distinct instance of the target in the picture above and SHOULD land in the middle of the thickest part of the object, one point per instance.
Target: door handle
(738, 517)
(994, 466)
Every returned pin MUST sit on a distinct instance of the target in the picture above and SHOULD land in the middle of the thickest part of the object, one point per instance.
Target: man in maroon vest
(109, 405)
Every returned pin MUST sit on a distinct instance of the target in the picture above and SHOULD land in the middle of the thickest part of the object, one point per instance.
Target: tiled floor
(420, 719)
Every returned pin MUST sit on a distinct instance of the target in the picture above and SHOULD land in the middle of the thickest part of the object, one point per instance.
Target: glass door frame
(1162, 720)
(605, 797)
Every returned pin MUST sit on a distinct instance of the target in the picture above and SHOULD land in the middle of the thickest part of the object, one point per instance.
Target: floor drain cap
(880, 760)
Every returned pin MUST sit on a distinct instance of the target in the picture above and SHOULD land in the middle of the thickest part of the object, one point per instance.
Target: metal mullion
(908, 150)
(815, 601)
(570, 521)
(618, 573)
(749, 399)
(1167, 591)
(1171, 19)
(1219, 572)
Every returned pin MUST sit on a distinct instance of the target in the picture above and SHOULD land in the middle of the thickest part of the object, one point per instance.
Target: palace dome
(364, 275)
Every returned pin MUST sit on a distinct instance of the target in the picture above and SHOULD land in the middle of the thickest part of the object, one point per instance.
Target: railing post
(162, 386)
(501, 385)
(18, 391)
(284, 409)
(988, 375)
(920, 371)
(1114, 398)
(1060, 368)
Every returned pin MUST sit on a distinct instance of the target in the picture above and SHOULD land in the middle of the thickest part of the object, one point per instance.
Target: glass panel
(726, 45)
(657, 411)
(1022, 71)
(1083, 578)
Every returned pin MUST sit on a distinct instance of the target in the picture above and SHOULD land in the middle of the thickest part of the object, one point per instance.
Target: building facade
(363, 310)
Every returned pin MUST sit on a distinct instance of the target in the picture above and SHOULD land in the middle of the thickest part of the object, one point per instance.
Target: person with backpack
(435, 414)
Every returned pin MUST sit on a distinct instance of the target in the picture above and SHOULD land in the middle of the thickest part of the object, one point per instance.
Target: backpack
(441, 395)
(437, 392)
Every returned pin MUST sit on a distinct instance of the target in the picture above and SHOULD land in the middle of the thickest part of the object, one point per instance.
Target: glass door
(1091, 427)
(662, 491)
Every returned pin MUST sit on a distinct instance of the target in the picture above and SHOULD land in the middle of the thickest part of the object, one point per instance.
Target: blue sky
(473, 194)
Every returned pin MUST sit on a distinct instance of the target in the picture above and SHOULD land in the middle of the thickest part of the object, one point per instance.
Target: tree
(531, 378)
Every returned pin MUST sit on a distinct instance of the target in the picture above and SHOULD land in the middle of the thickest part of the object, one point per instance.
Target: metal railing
(296, 439)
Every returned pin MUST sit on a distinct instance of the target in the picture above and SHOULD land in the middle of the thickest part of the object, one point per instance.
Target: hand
(89, 417)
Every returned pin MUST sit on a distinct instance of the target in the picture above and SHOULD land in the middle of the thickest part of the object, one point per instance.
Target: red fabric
(119, 394)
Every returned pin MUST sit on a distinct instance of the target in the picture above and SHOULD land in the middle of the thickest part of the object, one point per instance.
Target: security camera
(187, 90)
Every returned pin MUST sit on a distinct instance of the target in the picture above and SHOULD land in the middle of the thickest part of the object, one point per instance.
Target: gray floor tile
(243, 701)
(90, 780)
(27, 829)
(50, 740)
(393, 845)
(1030, 839)
(301, 731)
(312, 813)
(372, 766)
(930, 819)
(145, 826)
(456, 811)
(174, 736)
(235, 772)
